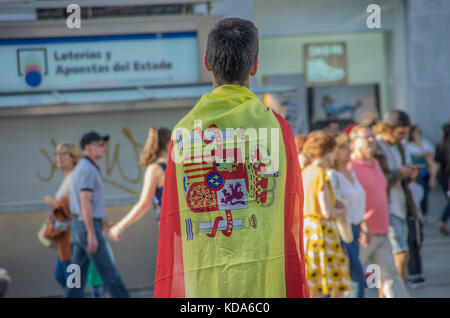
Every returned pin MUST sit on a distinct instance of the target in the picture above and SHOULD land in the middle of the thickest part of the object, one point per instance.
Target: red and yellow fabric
(232, 229)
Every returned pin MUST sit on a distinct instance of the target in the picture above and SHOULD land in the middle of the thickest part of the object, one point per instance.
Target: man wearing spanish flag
(231, 219)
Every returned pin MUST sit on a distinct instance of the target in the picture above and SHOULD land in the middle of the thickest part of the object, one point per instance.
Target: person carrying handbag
(327, 266)
(56, 231)
(348, 190)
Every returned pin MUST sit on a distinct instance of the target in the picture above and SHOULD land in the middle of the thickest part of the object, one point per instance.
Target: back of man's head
(232, 49)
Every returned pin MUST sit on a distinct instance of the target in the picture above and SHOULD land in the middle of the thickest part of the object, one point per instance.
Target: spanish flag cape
(231, 219)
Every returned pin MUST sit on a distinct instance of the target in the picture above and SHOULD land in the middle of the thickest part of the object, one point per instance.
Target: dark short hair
(231, 50)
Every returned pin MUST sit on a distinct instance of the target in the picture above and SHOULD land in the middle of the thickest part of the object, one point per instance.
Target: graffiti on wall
(113, 162)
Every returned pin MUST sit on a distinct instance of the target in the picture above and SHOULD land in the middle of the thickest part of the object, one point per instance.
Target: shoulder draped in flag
(231, 218)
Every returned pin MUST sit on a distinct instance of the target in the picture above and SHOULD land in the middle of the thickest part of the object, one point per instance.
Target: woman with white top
(421, 151)
(348, 190)
(66, 156)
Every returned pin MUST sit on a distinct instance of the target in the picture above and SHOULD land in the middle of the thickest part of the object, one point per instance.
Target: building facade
(137, 64)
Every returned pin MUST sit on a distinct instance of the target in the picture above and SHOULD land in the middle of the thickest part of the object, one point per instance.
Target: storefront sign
(73, 63)
(325, 64)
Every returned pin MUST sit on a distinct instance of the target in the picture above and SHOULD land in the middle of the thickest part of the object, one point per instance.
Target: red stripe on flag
(199, 169)
(296, 285)
(169, 281)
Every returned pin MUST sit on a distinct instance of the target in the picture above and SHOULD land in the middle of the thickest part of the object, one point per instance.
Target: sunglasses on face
(101, 143)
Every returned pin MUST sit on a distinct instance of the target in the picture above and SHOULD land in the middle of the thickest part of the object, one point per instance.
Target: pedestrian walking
(348, 190)
(375, 244)
(67, 156)
(154, 157)
(87, 204)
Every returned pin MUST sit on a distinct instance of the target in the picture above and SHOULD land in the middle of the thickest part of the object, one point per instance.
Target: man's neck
(245, 84)
(93, 159)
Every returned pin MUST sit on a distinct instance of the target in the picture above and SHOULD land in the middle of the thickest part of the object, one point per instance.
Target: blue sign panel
(45, 64)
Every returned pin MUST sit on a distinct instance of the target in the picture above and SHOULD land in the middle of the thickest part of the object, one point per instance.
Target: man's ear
(254, 68)
(208, 68)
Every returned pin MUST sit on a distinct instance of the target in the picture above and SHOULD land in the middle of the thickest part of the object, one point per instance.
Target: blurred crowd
(366, 198)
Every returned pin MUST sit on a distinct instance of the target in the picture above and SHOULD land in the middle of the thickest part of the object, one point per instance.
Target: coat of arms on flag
(223, 186)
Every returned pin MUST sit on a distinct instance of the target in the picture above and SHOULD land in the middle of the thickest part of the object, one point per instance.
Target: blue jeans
(61, 272)
(356, 269)
(98, 291)
(101, 259)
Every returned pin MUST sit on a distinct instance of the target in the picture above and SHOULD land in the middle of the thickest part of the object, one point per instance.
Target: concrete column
(429, 64)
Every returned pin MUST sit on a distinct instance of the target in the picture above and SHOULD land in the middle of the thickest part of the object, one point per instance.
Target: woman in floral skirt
(327, 267)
